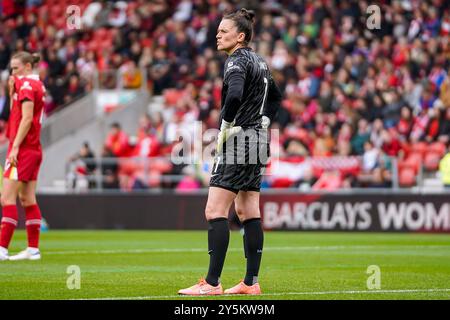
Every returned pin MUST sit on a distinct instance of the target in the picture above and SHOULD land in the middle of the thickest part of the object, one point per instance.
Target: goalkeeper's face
(228, 37)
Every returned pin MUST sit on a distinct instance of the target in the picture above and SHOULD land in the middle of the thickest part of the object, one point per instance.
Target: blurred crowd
(349, 90)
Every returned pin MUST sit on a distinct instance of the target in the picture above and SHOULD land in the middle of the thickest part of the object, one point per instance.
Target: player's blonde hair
(26, 57)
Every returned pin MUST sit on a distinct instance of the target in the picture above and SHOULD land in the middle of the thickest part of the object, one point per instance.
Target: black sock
(218, 238)
(253, 245)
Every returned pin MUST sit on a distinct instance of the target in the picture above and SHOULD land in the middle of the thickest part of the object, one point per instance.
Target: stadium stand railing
(157, 173)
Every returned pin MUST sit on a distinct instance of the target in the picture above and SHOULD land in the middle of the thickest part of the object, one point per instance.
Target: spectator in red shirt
(391, 145)
(117, 141)
(147, 146)
(13, 8)
(432, 130)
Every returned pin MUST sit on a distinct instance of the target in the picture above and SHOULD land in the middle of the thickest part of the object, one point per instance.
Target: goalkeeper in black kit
(250, 100)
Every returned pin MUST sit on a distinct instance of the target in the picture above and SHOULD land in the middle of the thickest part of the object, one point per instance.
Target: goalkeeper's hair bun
(243, 19)
(248, 14)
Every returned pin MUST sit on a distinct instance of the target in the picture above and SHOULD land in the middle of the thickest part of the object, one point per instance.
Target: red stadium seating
(431, 161)
(437, 147)
(419, 147)
(407, 177)
(414, 160)
(408, 165)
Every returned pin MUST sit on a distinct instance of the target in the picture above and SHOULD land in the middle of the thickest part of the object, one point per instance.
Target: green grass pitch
(295, 265)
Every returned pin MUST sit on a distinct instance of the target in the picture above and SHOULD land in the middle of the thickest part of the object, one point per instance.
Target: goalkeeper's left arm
(272, 106)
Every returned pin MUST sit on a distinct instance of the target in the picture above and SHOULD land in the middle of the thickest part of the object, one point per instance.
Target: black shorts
(237, 177)
(242, 169)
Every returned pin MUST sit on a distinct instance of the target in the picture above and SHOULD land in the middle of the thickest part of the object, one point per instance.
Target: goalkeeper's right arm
(227, 129)
(231, 105)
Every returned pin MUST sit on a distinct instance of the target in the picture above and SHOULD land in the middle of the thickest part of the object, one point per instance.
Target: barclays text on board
(357, 216)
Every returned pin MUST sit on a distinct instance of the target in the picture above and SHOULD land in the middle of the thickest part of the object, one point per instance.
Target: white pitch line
(299, 248)
(282, 294)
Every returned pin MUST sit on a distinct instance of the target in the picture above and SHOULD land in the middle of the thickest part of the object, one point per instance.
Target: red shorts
(28, 164)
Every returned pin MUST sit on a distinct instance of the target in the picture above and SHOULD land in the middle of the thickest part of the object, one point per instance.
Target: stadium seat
(436, 147)
(407, 177)
(160, 165)
(408, 165)
(415, 158)
(128, 168)
(56, 11)
(431, 161)
(419, 147)
(154, 179)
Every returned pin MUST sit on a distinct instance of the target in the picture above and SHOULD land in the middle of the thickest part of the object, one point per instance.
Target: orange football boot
(202, 288)
(242, 288)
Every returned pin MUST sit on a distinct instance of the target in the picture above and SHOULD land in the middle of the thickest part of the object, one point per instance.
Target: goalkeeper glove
(265, 122)
(227, 130)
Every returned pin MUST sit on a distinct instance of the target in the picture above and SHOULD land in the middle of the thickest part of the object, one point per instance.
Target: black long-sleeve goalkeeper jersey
(248, 91)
